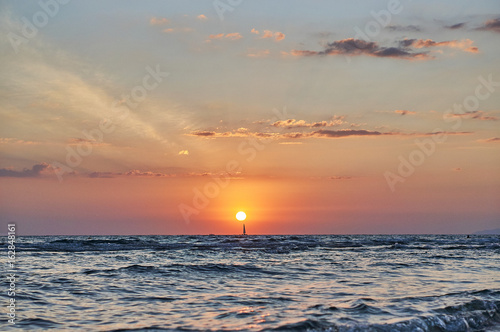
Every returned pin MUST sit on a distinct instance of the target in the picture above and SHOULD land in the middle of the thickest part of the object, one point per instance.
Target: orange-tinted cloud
(278, 36)
(83, 141)
(490, 140)
(292, 123)
(259, 54)
(465, 45)
(172, 30)
(158, 21)
(9, 140)
(202, 17)
(230, 36)
(478, 115)
(340, 177)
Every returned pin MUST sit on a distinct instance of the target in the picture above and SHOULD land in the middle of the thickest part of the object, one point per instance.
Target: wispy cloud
(404, 28)
(228, 36)
(404, 112)
(10, 140)
(490, 140)
(202, 17)
(80, 141)
(259, 54)
(477, 115)
(340, 177)
(178, 30)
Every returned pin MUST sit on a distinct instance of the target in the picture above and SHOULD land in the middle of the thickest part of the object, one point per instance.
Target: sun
(241, 216)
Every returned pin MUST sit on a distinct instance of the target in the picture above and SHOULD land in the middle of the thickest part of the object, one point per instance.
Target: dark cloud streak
(34, 172)
(491, 25)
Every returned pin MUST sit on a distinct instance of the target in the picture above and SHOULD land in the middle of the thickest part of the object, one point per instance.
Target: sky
(313, 117)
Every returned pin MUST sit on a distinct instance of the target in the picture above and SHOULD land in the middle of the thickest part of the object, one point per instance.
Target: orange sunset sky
(168, 117)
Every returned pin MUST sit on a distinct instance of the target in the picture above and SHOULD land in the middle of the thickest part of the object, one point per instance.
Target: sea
(256, 283)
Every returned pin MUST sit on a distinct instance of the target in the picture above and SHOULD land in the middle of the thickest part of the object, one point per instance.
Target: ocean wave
(476, 315)
(204, 269)
(269, 244)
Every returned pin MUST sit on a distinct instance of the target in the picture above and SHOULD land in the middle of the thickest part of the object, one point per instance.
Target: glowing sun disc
(241, 216)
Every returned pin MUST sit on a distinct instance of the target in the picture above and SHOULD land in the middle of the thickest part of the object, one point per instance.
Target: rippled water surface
(322, 283)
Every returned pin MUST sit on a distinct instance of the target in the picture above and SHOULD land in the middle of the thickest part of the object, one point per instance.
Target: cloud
(403, 28)
(490, 140)
(35, 171)
(62, 95)
(278, 36)
(478, 115)
(321, 133)
(290, 143)
(465, 45)
(355, 47)
(491, 25)
(340, 177)
(292, 123)
(230, 36)
(83, 141)
(158, 21)
(404, 112)
(9, 140)
(259, 54)
(406, 48)
(172, 30)
(346, 133)
(234, 36)
(457, 26)
(137, 172)
(183, 152)
(202, 17)
(102, 175)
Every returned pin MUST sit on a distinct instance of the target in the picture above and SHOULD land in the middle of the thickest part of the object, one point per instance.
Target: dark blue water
(253, 283)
